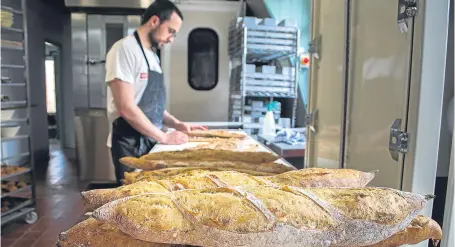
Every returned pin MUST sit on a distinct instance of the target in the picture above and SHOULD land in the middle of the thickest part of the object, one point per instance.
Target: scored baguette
(206, 139)
(213, 155)
(216, 134)
(94, 233)
(136, 176)
(198, 179)
(144, 164)
(265, 216)
(420, 229)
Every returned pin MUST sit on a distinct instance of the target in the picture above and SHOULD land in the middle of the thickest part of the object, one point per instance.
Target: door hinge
(406, 9)
(398, 140)
(314, 47)
(309, 120)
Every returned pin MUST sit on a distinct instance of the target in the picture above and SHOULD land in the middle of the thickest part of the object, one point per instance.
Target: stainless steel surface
(378, 87)
(186, 103)
(93, 36)
(109, 3)
(283, 149)
(92, 153)
(79, 58)
(98, 32)
(131, 4)
(326, 81)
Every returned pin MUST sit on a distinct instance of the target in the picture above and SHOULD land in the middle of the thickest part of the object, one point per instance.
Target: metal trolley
(258, 50)
(18, 197)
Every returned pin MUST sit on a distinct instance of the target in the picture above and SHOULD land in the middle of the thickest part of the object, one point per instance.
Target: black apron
(127, 141)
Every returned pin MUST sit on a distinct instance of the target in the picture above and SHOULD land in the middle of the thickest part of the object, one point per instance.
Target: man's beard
(155, 44)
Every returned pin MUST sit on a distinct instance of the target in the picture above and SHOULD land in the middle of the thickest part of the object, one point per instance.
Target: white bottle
(268, 127)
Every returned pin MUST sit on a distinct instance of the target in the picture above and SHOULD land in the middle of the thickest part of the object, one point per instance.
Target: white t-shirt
(125, 62)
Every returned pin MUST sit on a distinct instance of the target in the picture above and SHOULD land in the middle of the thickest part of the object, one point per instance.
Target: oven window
(203, 59)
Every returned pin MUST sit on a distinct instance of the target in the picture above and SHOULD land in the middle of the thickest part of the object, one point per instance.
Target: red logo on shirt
(144, 75)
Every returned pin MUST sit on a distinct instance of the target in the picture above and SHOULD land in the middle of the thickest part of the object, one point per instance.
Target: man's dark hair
(163, 9)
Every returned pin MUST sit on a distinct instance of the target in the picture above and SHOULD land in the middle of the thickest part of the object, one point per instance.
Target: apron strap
(142, 48)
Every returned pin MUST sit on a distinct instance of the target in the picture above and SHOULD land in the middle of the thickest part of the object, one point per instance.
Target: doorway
(53, 85)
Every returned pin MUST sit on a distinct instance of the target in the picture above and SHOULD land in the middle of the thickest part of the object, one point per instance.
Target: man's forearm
(170, 120)
(137, 119)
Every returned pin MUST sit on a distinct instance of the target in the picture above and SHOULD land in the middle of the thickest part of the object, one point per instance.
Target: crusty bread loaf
(220, 145)
(94, 233)
(420, 229)
(217, 134)
(265, 216)
(213, 155)
(199, 179)
(136, 176)
(144, 164)
(207, 139)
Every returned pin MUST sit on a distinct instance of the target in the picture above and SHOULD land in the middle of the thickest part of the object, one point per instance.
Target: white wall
(433, 64)
(445, 144)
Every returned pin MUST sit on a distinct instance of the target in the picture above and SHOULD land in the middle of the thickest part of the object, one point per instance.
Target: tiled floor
(59, 205)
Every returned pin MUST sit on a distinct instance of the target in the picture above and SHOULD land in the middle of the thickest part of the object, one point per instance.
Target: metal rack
(16, 149)
(257, 48)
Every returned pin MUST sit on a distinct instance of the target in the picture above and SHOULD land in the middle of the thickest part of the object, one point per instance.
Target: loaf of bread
(220, 145)
(207, 139)
(420, 229)
(136, 176)
(216, 134)
(94, 233)
(144, 164)
(199, 179)
(213, 155)
(265, 216)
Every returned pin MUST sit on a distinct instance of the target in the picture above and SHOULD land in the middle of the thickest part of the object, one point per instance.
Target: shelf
(13, 104)
(14, 192)
(17, 208)
(12, 122)
(22, 155)
(12, 66)
(12, 10)
(12, 29)
(14, 138)
(17, 215)
(10, 47)
(13, 84)
(16, 174)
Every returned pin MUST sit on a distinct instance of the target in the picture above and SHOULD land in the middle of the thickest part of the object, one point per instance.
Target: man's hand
(175, 138)
(185, 128)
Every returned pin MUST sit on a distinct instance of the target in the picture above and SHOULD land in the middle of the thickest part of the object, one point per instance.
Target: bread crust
(94, 233)
(420, 229)
(199, 179)
(149, 165)
(208, 154)
(256, 216)
(217, 134)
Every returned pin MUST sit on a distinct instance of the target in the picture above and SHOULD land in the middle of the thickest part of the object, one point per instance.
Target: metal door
(379, 76)
(371, 76)
(326, 83)
(184, 101)
(102, 32)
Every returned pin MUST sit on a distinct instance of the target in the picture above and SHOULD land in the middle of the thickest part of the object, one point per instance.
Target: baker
(136, 94)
